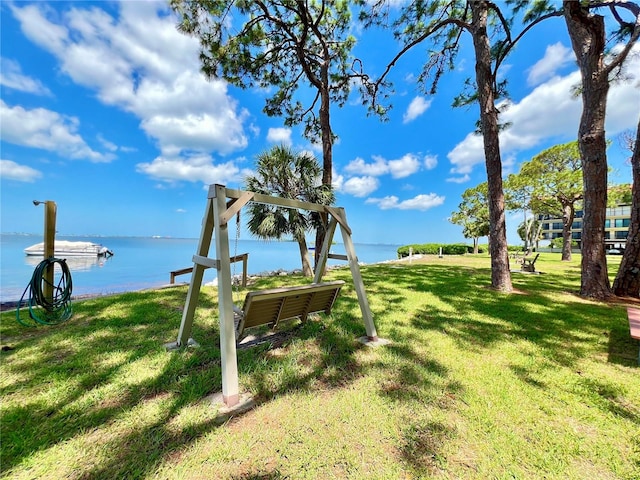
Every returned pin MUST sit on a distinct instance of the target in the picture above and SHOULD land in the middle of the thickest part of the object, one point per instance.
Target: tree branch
(373, 88)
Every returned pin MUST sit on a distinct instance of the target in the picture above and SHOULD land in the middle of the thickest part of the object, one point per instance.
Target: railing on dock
(244, 258)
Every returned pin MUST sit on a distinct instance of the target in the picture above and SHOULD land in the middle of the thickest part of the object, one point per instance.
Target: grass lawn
(475, 384)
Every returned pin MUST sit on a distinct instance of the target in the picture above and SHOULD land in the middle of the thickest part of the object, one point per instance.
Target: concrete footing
(378, 342)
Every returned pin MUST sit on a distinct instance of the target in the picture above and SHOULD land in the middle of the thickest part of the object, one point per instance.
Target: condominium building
(616, 227)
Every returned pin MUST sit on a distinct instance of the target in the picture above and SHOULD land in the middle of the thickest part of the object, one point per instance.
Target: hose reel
(49, 303)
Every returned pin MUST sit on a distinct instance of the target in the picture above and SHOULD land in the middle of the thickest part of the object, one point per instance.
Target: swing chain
(236, 281)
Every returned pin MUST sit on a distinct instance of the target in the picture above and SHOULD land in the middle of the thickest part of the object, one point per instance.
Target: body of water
(140, 263)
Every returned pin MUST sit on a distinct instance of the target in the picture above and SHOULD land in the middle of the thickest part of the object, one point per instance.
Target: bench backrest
(268, 307)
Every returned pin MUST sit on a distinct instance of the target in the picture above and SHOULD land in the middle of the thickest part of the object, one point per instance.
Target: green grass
(475, 384)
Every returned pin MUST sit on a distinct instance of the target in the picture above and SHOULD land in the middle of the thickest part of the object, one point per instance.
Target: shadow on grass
(108, 361)
(476, 317)
(84, 361)
(73, 370)
(622, 349)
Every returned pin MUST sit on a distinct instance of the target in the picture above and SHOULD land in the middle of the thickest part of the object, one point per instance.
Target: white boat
(65, 248)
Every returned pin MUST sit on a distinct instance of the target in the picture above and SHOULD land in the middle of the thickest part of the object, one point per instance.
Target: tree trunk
(327, 149)
(307, 271)
(627, 282)
(527, 231)
(500, 274)
(567, 221)
(587, 34)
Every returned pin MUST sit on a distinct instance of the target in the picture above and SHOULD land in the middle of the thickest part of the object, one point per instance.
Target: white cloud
(155, 76)
(417, 107)
(360, 167)
(196, 168)
(467, 154)
(556, 56)
(112, 147)
(402, 167)
(551, 111)
(463, 179)
(360, 186)
(421, 202)
(180, 210)
(279, 135)
(337, 181)
(11, 76)
(430, 161)
(46, 130)
(405, 166)
(11, 170)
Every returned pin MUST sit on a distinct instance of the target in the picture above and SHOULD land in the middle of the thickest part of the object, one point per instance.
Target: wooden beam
(337, 213)
(184, 334)
(324, 253)
(206, 261)
(282, 202)
(236, 206)
(358, 284)
(228, 354)
(244, 257)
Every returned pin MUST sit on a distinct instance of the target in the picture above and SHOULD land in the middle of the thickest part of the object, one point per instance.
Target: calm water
(141, 263)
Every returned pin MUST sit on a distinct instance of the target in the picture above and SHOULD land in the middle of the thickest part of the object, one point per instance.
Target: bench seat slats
(268, 307)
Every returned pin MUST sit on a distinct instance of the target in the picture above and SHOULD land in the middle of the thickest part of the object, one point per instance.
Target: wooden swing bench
(268, 307)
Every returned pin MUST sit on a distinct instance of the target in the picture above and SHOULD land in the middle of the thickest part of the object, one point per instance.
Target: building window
(576, 225)
(557, 226)
(620, 211)
(622, 222)
(578, 214)
(607, 223)
(622, 234)
(576, 235)
(607, 235)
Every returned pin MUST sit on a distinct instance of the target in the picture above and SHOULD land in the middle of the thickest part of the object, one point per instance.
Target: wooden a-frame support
(215, 225)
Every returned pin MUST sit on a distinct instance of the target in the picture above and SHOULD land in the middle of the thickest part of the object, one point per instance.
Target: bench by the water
(244, 258)
(268, 307)
(634, 325)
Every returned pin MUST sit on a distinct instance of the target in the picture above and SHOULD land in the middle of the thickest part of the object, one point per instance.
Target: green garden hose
(43, 310)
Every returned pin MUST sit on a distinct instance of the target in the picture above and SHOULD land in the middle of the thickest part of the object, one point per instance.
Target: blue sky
(104, 110)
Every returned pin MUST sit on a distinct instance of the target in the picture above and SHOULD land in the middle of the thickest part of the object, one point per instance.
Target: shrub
(456, 249)
(434, 249)
(557, 243)
(447, 249)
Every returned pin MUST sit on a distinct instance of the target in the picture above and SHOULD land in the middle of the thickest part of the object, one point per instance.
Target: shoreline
(14, 304)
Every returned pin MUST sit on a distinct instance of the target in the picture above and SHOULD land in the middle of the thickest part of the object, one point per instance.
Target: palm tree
(281, 172)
